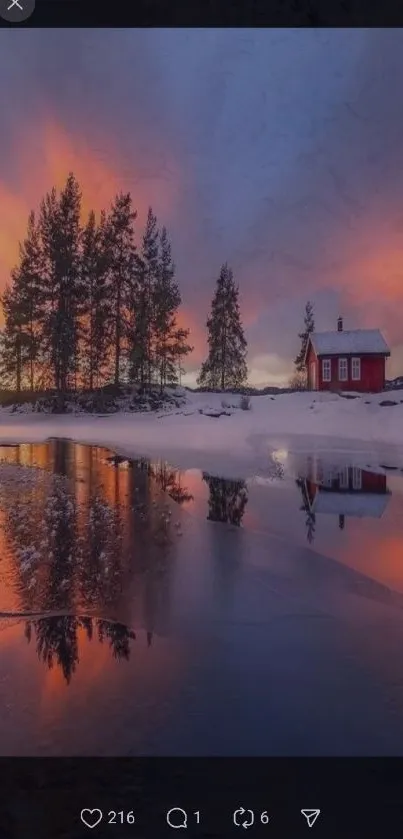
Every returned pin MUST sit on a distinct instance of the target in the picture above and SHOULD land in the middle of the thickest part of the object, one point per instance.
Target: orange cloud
(14, 213)
(197, 336)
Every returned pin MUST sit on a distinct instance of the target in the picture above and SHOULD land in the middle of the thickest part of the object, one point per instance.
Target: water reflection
(90, 544)
(344, 492)
(310, 518)
(75, 534)
(57, 640)
(227, 499)
(171, 481)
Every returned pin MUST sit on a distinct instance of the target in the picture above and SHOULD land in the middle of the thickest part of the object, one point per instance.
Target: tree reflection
(227, 499)
(310, 518)
(170, 481)
(58, 641)
(119, 637)
(77, 545)
(61, 543)
(100, 552)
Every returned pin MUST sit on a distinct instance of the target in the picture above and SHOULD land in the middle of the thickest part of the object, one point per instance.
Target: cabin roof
(349, 342)
(355, 504)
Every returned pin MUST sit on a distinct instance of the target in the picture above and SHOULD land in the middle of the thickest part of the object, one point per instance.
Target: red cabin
(347, 360)
(346, 492)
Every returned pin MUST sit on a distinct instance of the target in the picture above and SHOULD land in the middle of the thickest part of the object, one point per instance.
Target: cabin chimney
(340, 325)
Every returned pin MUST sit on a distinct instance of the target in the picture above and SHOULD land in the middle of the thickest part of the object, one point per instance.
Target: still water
(145, 610)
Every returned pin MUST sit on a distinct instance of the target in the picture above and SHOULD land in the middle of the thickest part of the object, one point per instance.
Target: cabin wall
(374, 482)
(312, 369)
(371, 482)
(372, 375)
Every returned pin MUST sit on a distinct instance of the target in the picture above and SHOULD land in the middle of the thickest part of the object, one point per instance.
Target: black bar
(356, 797)
(214, 13)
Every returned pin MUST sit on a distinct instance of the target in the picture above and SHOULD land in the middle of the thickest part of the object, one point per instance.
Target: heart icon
(91, 817)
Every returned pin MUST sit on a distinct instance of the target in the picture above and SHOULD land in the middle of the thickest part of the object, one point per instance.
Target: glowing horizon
(316, 216)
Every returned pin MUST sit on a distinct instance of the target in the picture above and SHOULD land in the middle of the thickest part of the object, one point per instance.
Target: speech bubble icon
(177, 818)
(91, 817)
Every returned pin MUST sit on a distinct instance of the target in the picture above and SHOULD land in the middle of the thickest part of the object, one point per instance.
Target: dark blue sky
(279, 151)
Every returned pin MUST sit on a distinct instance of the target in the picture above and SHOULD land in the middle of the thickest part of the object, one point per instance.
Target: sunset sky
(279, 151)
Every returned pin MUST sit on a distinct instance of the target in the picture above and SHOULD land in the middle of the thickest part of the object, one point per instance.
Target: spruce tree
(142, 361)
(79, 300)
(23, 311)
(225, 366)
(31, 293)
(309, 327)
(95, 304)
(61, 234)
(171, 342)
(12, 360)
(122, 272)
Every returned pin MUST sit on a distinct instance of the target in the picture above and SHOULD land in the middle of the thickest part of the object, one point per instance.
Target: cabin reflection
(345, 492)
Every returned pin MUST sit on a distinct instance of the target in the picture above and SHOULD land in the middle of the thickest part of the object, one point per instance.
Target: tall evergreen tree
(225, 366)
(123, 273)
(95, 304)
(82, 300)
(309, 327)
(12, 361)
(23, 311)
(142, 349)
(31, 293)
(171, 341)
(61, 233)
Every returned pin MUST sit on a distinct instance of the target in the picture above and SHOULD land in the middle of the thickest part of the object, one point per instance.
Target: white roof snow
(353, 341)
(355, 504)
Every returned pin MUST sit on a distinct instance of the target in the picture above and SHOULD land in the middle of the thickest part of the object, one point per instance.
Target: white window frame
(356, 363)
(326, 369)
(344, 478)
(343, 362)
(357, 478)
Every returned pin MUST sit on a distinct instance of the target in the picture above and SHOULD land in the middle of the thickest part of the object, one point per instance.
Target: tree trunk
(31, 357)
(18, 369)
(117, 340)
(223, 355)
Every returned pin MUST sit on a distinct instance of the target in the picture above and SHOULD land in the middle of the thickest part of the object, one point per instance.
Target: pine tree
(171, 342)
(23, 310)
(227, 499)
(142, 350)
(95, 304)
(225, 366)
(309, 327)
(123, 274)
(82, 300)
(12, 340)
(32, 295)
(61, 234)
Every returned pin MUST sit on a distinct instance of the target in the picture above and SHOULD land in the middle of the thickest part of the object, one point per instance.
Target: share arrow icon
(311, 816)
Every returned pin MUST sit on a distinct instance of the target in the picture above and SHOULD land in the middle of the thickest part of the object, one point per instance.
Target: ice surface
(238, 444)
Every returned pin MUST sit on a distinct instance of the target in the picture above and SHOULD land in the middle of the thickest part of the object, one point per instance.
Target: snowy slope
(187, 437)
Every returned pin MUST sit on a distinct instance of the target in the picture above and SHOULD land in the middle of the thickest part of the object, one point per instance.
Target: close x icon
(16, 11)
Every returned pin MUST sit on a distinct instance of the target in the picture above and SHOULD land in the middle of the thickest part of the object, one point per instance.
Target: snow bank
(236, 442)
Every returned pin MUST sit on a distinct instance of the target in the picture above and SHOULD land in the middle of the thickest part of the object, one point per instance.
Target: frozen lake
(150, 611)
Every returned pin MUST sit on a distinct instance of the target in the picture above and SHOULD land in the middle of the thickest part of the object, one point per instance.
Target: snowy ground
(239, 442)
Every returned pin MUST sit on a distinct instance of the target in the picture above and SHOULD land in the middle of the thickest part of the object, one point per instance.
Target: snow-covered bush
(245, 403)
